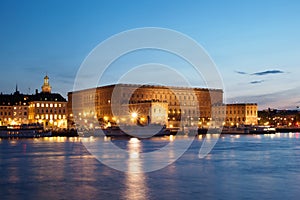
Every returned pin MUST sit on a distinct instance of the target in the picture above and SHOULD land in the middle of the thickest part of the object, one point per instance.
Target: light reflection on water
(239, 167)
(135, 183)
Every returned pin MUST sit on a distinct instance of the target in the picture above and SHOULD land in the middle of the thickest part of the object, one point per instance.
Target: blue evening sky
(255, 44)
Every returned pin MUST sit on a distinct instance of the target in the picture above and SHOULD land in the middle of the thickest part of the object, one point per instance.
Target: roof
(47, 97)
(146, 86)
(20, 99)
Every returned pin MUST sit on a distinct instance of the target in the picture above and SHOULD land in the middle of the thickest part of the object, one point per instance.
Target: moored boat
(243, 130)
(23, 131)
(148, 131)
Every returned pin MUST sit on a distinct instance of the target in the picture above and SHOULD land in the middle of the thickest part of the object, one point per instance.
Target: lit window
(51, 105)
(47, 116)
(59, 105)
(47, 105)
(42, 105)
(55, 105)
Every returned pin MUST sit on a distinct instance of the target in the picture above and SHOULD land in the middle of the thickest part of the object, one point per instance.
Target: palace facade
(237, 114)
(116, 103)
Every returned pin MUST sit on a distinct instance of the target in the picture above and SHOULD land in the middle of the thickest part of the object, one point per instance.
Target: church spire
(46, 88)
(17, 91)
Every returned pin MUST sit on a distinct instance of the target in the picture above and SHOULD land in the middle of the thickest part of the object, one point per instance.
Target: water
(239, 167)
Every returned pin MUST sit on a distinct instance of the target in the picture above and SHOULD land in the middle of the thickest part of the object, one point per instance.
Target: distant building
(237, 114)
(279, 118)
(14, 108)
(182, 104)
(49, 109)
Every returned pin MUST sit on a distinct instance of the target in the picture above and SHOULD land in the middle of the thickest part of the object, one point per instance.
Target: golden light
(134, 140)
(171, 138)
(105, 118)
(14, 122)
(134, 115)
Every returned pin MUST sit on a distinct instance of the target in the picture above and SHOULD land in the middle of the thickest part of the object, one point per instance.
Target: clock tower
(46, 88)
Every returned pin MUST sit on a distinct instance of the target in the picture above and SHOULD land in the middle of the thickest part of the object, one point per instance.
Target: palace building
(116, 104)
(237, 114)
(49, 109)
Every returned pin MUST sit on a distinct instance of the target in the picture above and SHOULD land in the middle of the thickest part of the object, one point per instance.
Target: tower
(46, 88)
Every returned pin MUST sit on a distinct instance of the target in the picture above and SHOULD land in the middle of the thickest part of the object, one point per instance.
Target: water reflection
(135, 182)
(249, 167)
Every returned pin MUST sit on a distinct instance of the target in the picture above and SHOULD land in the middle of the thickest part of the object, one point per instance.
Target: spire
(17, 91)
(46, 88)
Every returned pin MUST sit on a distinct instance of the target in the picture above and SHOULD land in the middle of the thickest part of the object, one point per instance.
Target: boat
(262, 130)
(23, 131)
(151, 130)
(242, 130)
(236, 130)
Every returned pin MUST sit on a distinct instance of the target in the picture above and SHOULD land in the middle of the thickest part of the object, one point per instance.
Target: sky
(254, 44)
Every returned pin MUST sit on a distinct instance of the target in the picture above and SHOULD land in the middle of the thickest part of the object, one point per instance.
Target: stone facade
(237, 114)
(185, 106)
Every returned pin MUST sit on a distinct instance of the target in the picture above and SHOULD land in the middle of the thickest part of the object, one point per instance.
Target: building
(49, 109)
(237, 114)
(279, 118)
(14, 108)
(184, 106)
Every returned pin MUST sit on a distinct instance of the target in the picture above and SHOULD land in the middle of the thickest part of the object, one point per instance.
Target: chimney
(36, 91)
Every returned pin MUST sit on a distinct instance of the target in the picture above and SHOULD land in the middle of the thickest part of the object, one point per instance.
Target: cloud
(257, 82)
(274, 71)
(273, 100)
(240, 72)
